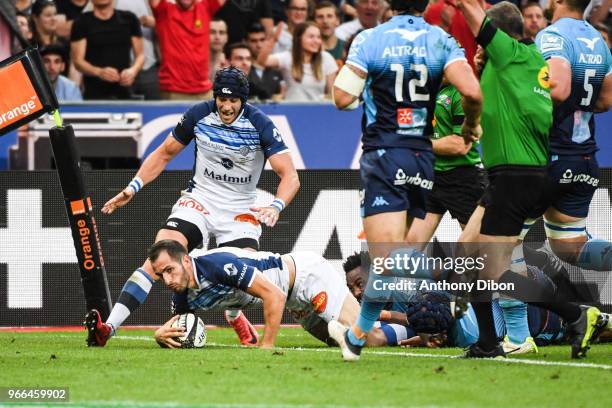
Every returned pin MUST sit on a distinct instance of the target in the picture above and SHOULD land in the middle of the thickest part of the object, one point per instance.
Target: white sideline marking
(409, 354)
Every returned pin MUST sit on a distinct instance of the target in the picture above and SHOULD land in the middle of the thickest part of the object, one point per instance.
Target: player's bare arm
(152, 167)
(460, 74)
(273, 307)
(474, 14)
(560, 79)
(451, 145)
(282, 164)
(348, 86)
(604, 102)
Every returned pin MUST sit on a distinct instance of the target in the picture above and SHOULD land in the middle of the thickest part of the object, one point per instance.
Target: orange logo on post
(19, 99)
(247, 218)
(77, 207)
(319, 302)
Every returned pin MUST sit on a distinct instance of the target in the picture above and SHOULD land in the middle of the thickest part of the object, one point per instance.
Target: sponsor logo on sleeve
(319, 302)
(550, 42)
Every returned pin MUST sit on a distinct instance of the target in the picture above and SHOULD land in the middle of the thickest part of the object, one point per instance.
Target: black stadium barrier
(39, 275)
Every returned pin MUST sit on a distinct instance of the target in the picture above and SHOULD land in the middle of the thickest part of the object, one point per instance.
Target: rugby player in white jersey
(233, 141)
(302, 282)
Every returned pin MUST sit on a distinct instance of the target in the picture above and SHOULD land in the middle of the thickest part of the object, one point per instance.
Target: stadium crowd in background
(185, 42)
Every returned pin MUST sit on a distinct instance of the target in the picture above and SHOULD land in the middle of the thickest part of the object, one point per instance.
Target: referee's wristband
(136, 184)
(278, 204)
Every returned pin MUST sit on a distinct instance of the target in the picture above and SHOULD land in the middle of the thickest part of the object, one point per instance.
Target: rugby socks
(395, 333)
(133, 294)
(486, 326)
(515, 318)
(596, 255)
(232, 314)
(534, 292)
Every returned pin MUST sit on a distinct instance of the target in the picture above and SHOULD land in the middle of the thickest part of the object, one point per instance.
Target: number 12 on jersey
(420, 80)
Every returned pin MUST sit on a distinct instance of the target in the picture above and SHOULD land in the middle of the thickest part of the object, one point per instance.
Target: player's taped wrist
(136, 184)
(279, 204)
(349, 81)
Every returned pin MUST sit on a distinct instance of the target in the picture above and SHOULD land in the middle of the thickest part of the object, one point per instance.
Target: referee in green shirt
(516, 118)
(459, 177)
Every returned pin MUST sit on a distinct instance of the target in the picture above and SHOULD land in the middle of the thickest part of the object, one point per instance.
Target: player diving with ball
(234, 278)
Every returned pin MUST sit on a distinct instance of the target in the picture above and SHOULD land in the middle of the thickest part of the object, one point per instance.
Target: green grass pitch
(133, 371)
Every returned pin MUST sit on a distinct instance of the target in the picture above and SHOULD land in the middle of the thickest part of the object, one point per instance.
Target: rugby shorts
(457, 191)
(514, 194)
(396, 179)
(573, 181)
(224, 223)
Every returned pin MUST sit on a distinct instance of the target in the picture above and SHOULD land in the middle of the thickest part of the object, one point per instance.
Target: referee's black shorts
(457, 191)
(514, 194)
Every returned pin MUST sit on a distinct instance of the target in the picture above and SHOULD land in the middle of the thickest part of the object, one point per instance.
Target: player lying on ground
(426, 318)
(233, 140)
(235, 278)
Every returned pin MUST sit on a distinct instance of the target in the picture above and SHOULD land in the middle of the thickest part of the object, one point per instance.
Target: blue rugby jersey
(404, 59)
(224, 275)
(582, 46)
(229, 158)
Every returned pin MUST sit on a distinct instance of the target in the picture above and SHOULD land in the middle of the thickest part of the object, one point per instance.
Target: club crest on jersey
(244, 150)
(227, 163)
(550, 42)
(319, 302)
(404, 117)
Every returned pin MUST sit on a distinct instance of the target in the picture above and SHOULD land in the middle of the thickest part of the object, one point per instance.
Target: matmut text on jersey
(229, 158)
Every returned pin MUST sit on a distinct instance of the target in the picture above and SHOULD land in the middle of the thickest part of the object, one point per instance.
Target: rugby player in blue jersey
(302, 282)
(233, 140)
(581, 85)
(397, 68)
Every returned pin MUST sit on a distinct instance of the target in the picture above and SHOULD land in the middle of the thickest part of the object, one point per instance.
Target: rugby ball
(195, 331)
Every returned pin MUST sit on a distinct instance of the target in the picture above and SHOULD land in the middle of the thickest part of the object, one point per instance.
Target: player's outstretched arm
(282, 164)
(474, 14)
(152, 167)
(273, 307)
(348, 86)
(604, 102)
(460, 74)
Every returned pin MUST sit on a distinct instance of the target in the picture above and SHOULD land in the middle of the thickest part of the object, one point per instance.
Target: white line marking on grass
(410, 354)
(138, 404)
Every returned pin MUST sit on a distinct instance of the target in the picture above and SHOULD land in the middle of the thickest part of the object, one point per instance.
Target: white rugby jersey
(229, 158)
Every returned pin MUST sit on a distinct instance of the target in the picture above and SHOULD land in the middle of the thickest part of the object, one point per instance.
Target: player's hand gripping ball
(195, 331)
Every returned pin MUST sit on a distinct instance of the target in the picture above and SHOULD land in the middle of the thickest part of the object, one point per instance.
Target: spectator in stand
(218, 40)
(101, 42)
(241, 14)
(54, 57)
(239, 56)
(9, 31)
(308, 70)
(534, 21)
(67, 12)
(23, 6)
(24, 21)
(183, 34)
(327, 17)
(600, 12)
(264, 83)
(368, 16)
(45, 24)
(604, 30)
(147, 81)
(297, 12)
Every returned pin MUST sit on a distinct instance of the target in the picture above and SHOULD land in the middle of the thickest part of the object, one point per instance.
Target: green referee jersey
(517, 109)
(448, 118)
